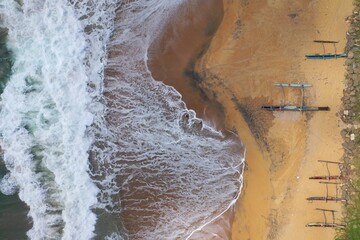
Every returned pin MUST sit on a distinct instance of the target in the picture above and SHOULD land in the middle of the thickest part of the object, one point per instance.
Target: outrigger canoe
(336, 199)
(338, 177)
(320, 224)
(294, 108)
(303, 85)
(326, 56)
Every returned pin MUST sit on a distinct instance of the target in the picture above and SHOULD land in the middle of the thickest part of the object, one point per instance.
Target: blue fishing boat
(293, 108)
(302, 85)
(326, 56)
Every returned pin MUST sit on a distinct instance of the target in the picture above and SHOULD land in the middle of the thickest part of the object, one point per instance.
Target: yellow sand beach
(257, 44)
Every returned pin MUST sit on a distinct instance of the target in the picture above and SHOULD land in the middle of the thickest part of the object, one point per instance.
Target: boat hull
(301, 85)
(328, 177)
(326, 56)
(294, 108)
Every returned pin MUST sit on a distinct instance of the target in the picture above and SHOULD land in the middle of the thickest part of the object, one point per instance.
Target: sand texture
(257, 44)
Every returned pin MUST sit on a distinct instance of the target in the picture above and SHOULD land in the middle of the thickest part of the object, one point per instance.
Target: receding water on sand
(92, 143)
(172, 56)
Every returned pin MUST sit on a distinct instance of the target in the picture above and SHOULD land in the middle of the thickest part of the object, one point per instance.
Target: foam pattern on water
(160, 169)
(157, 171)
(45, 114)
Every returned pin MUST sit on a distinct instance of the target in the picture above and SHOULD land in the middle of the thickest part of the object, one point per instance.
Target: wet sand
(172, 56)
(172, 59)
(258, 44)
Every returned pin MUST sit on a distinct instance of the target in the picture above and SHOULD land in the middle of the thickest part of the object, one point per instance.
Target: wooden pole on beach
(327, 189)
(327, 210)
(327, 166)
(327, 41)
(326, 161)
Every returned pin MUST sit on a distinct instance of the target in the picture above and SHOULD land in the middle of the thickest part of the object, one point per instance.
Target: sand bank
(258, 44)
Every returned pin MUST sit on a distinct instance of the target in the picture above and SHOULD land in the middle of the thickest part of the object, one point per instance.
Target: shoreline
(172, 60)
(173, 55)
(278, 170)
(281, 212)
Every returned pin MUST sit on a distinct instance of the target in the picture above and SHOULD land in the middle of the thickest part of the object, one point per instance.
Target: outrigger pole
(326, 41)
(327, 189)
(296, 85)
(326, 161)
(325, 223)
(329, 177)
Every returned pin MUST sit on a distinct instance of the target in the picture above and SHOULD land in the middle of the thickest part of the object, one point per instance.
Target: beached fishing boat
(336, 199)
(336, 177)
(290, 107)
(302, 85)
(333, 224)
(326, 56)
(294, 108)
(321, 224)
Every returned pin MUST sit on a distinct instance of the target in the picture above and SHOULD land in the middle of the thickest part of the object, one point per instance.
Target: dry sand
(260, 43)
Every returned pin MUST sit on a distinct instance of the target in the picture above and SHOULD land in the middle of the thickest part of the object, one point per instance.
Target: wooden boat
(326, 223)
(336, 177)
(337, 199)
(303, 85)
(294, 108)
(325, 41)
(326, 56)
(321, 224)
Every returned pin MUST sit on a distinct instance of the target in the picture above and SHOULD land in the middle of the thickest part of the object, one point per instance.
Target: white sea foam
(170, 172)
(8, 185)
(59, 56)
(154, 164)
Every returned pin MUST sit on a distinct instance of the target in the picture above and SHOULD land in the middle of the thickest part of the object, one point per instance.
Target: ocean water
(92, 144)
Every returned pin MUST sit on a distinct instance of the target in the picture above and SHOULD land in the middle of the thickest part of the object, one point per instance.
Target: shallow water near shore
(103, 148)
(172, 56)
(13, 220)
